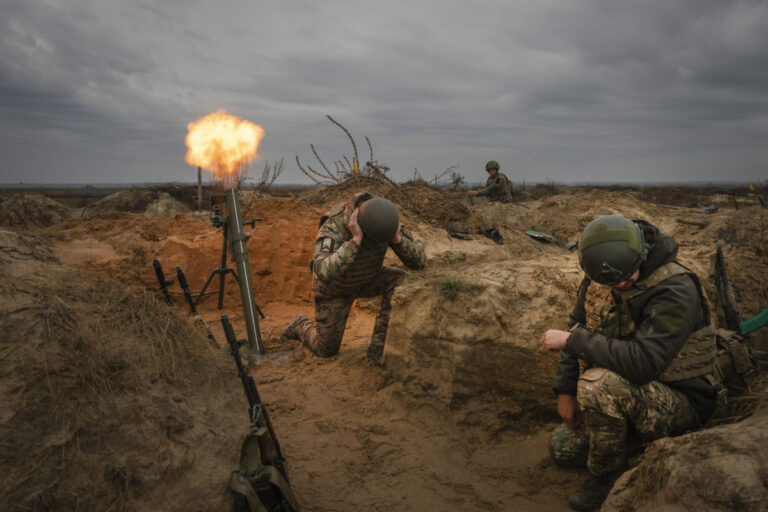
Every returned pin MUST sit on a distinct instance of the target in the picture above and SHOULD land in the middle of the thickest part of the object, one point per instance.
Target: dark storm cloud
(555, 89)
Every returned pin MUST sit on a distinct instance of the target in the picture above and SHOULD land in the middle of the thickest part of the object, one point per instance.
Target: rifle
(164, 283)
(260, 450)
(185, 288)
(725, 295)
(735, 362)
(728, 301)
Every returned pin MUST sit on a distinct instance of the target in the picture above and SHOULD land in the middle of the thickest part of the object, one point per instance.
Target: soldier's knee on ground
(322, 350)
(569, 447)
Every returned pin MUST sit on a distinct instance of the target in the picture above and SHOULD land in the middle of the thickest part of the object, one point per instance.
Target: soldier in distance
(497, 187)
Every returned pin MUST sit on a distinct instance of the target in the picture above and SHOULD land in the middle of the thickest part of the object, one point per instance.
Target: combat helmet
(378, 219)
(492, 164)
(611, 248)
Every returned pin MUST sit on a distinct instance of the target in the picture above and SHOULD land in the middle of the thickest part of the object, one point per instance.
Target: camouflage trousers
(323, 336)
(617, 413)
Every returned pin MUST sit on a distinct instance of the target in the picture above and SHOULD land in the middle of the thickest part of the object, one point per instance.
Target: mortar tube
(237, 239)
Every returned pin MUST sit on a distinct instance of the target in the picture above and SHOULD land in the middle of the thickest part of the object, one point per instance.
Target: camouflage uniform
(649, 353)
(497, 188)
(342, 271)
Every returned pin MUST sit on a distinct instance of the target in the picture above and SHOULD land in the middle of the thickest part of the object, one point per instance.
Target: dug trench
(117, 401)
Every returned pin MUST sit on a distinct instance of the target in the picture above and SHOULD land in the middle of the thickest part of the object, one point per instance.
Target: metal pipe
(237, 239)
(200, 189)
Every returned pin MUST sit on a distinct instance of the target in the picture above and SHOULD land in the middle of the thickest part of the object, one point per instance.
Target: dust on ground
(118, 402)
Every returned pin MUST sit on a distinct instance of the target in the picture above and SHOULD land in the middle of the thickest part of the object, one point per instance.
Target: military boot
(593, 491)
(292, 331)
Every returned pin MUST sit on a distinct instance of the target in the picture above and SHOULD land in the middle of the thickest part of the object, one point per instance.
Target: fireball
(222, 144)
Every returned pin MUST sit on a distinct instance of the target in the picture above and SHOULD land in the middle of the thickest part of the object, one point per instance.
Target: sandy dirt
(356, 436)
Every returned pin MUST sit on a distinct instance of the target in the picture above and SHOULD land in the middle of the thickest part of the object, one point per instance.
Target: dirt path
(355, 442)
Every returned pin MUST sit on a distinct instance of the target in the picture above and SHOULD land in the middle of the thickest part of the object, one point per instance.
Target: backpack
(735, 367)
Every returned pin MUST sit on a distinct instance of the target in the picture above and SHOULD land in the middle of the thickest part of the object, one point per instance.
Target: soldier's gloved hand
(568, 408)
(354, 228)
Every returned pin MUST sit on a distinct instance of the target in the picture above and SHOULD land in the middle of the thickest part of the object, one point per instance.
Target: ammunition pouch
(259, 487)
(735, 368)
(696, 358)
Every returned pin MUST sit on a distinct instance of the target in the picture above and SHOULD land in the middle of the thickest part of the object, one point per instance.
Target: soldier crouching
(641, 327)
(348, 264)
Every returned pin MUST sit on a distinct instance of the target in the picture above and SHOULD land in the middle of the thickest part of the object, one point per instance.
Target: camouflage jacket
(341, 267)
(497, 188)
(664, 315)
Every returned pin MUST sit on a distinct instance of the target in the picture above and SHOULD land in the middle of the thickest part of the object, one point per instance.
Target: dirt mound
(456, 338)
(165, 206)
(153, 203)
(27, 211)
(98, 408)
(718, 469)
(415, 200)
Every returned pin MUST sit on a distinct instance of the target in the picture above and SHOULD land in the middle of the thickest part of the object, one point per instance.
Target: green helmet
(378, 219)
(611, 248)
(493, 164)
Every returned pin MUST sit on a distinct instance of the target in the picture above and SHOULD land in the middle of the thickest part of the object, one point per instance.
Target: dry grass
(78, 363)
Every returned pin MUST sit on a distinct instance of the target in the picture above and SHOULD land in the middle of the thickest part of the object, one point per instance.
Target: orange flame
(222, 144)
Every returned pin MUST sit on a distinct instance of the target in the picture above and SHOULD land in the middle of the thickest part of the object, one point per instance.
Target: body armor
(608, 313)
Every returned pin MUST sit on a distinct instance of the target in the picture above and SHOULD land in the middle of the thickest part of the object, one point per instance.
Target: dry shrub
(95, 377)
(414, 199)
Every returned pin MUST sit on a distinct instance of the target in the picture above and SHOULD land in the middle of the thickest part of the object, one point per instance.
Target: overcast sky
(99, 91)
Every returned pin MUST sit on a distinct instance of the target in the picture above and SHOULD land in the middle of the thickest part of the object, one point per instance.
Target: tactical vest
(504, 194)
(606, 316)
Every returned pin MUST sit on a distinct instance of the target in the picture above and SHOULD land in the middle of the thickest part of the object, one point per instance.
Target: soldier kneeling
(641, 327)
(348, 264)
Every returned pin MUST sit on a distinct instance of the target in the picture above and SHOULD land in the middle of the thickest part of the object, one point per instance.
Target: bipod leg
(205, 286)
(221, 289)
(223, 266)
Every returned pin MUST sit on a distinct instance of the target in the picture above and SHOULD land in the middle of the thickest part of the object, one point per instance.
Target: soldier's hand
(354, 227)
(554, 340)
(568, 409)
(398, 235)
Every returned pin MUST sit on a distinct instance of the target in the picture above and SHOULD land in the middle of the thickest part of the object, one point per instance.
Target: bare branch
(354, 146)
(277, 170)
(369, 147)
(316, 173)
(264, 174)
(305, 172)
(320, 160)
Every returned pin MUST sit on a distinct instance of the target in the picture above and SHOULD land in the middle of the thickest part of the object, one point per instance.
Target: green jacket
(497, 188)
(341, 267)
(664, 316)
